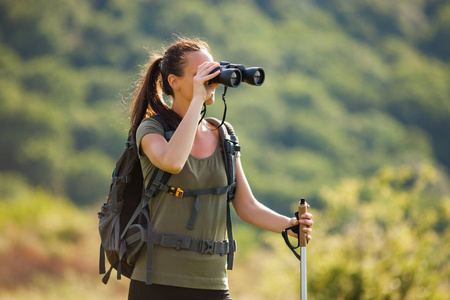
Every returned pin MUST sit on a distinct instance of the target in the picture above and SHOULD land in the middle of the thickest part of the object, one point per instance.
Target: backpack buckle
(176, 191)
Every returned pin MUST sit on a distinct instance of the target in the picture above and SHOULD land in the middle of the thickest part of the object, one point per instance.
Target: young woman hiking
(194, 156)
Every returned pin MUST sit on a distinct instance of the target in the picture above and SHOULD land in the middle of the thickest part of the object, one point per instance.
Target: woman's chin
(210, 101)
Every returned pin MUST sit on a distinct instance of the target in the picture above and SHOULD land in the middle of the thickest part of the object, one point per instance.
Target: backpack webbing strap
(101, 267)
(123, 249)
(105, 278)
(193, 216)
(148, 277)
(159, 177)
(183, 242)
(118, 266)
(126, 179)
(231, 151)
(230, 257)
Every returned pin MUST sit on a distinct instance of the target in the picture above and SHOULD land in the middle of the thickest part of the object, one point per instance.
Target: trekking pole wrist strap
(285, 235)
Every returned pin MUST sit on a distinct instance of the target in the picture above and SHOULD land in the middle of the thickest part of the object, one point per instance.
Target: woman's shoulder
(149, 125)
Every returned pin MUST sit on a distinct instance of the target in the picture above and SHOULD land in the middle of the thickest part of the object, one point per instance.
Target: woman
(193, 155)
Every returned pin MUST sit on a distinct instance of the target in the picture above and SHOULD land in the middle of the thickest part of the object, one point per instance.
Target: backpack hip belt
(180, 242)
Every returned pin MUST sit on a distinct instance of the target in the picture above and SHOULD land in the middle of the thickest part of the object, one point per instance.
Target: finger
(308, 237)
(212, 86)
(206, 64)
(307, 216)
(207, 67)
(307, 230)
(204, 77)
(210, 76)
(307, 222)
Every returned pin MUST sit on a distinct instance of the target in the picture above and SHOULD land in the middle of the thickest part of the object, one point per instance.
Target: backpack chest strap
(196, 193)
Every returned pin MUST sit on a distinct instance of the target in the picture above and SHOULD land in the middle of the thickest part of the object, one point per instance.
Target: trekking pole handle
(302, 208)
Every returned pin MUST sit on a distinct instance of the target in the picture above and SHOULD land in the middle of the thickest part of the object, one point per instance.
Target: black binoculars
(231, 75)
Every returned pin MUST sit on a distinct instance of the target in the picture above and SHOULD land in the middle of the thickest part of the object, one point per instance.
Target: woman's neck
(180, 106)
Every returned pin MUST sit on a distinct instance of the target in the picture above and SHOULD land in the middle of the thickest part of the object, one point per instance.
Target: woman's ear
(173, 82)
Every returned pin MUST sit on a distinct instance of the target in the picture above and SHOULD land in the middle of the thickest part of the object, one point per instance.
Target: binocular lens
(227, 77)
(234, 79)
(253, 76)
(258, 78)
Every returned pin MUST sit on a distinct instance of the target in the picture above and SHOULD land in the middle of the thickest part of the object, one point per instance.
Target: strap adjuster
(206, 247)
(176, 191)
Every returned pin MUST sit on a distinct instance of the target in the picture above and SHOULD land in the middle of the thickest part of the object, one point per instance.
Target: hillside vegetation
(384, 237)
(354, 115)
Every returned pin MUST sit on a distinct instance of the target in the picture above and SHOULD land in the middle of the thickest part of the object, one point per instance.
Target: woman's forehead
(196, 58)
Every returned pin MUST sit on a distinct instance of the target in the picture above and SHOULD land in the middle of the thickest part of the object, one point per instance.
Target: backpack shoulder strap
(168, 130)
(231, 151)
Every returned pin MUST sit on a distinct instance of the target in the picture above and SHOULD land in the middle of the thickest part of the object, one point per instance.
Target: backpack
(125, 225)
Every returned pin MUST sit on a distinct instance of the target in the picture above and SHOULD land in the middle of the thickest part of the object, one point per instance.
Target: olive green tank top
(170, 214)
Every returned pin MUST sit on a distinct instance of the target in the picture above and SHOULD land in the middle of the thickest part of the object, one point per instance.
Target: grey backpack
(125, 225)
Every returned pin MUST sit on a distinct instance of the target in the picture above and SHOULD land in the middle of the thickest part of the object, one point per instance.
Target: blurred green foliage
(350, 86)
(383, 237)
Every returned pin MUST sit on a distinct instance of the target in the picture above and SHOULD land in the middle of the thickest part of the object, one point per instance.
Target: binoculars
(232, 75)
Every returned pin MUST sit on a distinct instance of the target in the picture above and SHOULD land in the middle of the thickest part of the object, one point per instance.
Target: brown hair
(148, 99)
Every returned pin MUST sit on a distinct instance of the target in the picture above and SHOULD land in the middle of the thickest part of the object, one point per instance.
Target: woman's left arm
(251, 211)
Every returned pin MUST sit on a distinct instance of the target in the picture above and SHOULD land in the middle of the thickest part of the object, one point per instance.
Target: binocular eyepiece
(232, 75)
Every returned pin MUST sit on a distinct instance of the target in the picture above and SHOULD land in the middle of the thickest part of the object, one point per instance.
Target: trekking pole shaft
(303, 283)
(302, 208)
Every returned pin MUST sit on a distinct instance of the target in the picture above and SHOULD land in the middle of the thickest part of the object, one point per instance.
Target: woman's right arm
(171, 156)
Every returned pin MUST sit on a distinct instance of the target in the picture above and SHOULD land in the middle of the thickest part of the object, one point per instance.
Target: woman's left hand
(306, 219)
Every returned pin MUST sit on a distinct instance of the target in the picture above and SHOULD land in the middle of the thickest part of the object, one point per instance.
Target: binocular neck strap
(203, 113)
(225, 106)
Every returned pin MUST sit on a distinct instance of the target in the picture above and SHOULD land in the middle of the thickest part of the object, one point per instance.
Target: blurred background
(354, 116)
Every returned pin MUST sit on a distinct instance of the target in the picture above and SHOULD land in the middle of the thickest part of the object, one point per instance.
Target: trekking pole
(302, 241)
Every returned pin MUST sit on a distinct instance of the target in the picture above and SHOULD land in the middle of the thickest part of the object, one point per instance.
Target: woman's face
(194, 59)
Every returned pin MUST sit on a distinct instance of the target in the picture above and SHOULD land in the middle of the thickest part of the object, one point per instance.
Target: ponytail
(148, 99)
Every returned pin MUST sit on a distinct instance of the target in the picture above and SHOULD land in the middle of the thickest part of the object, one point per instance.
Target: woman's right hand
(203, 91)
